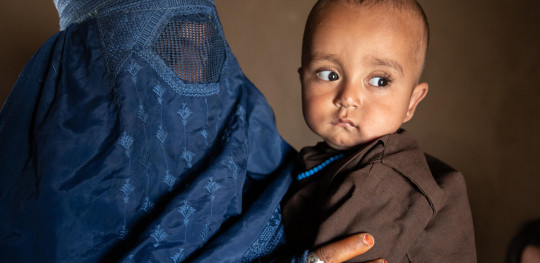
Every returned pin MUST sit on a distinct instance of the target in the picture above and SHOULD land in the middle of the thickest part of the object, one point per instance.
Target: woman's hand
(344, 250)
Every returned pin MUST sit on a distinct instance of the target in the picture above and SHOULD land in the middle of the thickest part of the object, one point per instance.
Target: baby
(361, 64)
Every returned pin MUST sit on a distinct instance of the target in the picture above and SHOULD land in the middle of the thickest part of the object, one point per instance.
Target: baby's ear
(418, 94)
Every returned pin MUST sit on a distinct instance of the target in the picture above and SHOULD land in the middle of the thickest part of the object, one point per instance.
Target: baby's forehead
(405, 21)
(408, 12)
(406, 16)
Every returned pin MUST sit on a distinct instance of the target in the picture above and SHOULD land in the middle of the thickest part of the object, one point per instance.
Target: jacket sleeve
(406, 225)
(449, 235)
(378, 200)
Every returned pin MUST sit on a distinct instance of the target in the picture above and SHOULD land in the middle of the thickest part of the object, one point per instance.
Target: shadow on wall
(24, 26)
(525, 246)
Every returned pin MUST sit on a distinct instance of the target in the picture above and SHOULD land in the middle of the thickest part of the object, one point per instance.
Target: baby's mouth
(344, 123)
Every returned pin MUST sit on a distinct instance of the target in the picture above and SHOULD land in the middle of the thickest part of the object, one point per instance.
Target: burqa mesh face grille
(193, 48)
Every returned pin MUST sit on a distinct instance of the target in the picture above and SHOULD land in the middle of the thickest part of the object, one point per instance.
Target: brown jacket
(415, 206)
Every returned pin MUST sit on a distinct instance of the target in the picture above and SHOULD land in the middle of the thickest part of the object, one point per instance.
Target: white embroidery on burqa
(169, 179)
(145, 162)
(176, 258)
(186, 211)
(126, 141)
(188, 156)
(159, 91)
(127, 189)
(218, 115)
(54, 67)
(235, 169)
(227, 85)
(158, 235)
(241, 113)
(143, 115)
(147, 203)
(161, 135)
(205, 232)
(204, 133)
(184, 113)
(271, 238)
(212, 188)
(133, 69)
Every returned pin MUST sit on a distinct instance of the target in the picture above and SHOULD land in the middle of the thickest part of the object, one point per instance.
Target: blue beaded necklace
(319, 167)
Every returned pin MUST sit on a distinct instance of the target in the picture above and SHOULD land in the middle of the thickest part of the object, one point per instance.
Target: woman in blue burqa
(132, 135)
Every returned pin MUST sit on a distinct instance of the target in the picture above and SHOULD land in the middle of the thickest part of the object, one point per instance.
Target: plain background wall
(481, 114)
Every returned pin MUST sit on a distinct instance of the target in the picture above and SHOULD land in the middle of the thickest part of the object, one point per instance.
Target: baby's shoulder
(432, 177)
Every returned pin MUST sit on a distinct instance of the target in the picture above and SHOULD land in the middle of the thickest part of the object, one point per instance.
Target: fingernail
(368, 239)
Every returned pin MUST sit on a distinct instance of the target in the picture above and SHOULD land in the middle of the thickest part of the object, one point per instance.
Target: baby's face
(359, 78)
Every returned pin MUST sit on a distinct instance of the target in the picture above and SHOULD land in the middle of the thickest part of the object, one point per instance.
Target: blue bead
(310, 172)
(326, 163)
(332, 158)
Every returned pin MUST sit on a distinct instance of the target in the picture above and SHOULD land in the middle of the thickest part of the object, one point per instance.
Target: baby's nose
(348, 97)
(348, 103)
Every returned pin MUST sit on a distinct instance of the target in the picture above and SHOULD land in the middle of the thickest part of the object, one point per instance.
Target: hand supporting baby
(344, 250)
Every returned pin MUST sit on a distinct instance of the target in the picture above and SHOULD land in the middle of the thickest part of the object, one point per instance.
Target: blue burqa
(132, 135)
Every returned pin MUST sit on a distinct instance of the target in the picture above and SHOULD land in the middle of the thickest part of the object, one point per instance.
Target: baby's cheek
(314, 108)
(314, 121)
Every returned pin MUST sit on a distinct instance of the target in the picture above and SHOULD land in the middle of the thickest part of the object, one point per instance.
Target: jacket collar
(398, 151)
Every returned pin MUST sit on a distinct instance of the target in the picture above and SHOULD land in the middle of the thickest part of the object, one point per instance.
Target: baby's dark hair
(411, 6)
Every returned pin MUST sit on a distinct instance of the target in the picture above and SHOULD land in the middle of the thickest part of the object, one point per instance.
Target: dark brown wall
(481, 114)
(24, 26)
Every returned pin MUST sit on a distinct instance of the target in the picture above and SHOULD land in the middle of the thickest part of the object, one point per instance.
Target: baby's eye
(379, 81)
(328, 75)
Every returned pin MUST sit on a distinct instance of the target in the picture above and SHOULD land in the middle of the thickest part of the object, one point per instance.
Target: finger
(380, 260)
(346, 248)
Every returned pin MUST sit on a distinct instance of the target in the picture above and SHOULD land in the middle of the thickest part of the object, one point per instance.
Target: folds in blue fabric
(132, 135)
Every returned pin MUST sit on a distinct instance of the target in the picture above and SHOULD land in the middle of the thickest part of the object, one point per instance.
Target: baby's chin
(344, 145)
